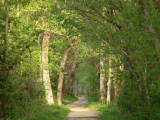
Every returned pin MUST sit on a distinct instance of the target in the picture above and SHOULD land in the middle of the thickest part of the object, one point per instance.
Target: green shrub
(110, 112)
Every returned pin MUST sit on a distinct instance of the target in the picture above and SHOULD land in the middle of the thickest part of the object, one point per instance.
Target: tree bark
(40, 57)
(109, 81)
(71, 90)
(102, 78)
(46, 78)
(90, 93)
(75, 87)
(4, 72)
(65, 92)
(61, 76)
(6, 7)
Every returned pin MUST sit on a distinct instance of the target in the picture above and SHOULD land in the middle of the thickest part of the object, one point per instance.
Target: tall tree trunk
(4, 72)
(90, 92)
(6, 7)
(6, 38)
(75, 87)
(71, 90)
(102, 78)
(2, 100)
(80, 89)
(69, 82)
(109, 81)
(46, 78)
(61, 76)
(40, 57)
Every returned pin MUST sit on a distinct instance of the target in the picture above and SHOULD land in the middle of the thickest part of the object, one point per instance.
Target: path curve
(80, 112)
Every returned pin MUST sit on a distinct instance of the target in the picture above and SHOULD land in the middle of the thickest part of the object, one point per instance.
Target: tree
(61, 76)
(5, 49)
(72, 72)
(46, 77)
(102, 78)
(109, 80)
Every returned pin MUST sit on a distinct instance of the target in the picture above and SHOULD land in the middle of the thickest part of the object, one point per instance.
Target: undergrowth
(44, 112)
(110, 112)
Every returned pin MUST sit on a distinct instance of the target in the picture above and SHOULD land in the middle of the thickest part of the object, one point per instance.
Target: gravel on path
(80, 112)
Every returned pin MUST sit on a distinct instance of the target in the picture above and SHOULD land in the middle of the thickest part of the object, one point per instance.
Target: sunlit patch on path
(80, 112)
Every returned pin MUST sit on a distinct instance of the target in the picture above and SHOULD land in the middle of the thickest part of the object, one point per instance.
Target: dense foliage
(125, 33)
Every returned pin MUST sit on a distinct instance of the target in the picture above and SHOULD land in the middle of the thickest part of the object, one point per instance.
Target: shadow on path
(80, 112)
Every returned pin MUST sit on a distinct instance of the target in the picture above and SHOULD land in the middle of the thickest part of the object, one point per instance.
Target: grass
(45, 112)
(110, 112)
(69, 99)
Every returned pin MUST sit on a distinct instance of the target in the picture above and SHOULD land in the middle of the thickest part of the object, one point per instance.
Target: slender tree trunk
(41, 66)
(116, 89)
(2, 100)
(80, 90)
(65, 92)
(4, 72)
(109, 81)
(6, 37)
(70, 90)
(102, 78)
(40, 57)
(75, 87)
(46, 78)
(61, 76)
(90, 93)
(6, 7)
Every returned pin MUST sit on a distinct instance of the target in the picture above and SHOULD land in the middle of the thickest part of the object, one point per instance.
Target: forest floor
(80, 112)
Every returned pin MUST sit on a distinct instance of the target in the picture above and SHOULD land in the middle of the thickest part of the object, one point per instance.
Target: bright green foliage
(128, 29)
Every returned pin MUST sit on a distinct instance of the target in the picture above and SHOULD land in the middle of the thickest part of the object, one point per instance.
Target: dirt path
(80, 112)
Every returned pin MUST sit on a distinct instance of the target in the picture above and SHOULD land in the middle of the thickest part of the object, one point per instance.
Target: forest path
(80, 112)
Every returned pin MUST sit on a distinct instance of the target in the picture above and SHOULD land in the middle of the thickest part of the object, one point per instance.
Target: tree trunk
(102, 78)
(61, 76)
(4, 72)
(65, 92)
(90, 91)
(46, 78)
(109, 81)
(75, 87)
(2, 100)
(6, 7)
(6, 38)
(80, 90)
(70, 90)
(40, 57)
